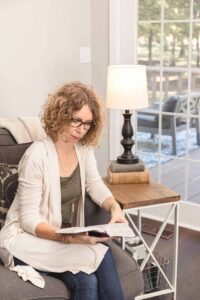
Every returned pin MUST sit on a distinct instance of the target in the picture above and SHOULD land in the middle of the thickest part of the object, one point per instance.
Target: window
(168, 133)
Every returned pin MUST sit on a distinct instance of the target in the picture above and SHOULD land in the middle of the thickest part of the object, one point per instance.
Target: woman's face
(82, 117)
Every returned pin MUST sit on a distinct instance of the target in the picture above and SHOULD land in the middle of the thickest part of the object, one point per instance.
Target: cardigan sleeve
(29, 191)
(95, 186)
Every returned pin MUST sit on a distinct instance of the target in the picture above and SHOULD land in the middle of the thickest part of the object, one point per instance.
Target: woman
(53, 176)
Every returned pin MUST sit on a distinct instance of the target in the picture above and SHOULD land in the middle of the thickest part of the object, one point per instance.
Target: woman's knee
(86, 287)
(86, 281)
(82, 286)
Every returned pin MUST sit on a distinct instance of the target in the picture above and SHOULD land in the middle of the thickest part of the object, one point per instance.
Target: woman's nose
(81, 128)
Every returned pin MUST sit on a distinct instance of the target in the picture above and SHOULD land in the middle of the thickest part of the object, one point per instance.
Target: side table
(135, 197)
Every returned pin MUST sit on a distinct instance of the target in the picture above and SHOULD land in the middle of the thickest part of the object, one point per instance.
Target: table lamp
(127, 89)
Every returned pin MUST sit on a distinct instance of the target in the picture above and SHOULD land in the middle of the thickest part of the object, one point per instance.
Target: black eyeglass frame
(78, 122)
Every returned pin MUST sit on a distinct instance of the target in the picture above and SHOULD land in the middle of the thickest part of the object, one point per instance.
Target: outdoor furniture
(12, 287)
(148, 119)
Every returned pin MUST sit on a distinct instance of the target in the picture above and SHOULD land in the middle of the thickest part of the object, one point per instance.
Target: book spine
(130, 177)
(116, 167)
(119, 169)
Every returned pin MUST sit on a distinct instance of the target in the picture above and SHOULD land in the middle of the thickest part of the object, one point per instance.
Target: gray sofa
(14, 288)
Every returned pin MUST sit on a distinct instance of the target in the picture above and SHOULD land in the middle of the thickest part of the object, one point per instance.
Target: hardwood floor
(188, 284)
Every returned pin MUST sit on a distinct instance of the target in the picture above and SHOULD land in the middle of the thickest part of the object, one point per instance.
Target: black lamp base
(128, 160)
(127, 142)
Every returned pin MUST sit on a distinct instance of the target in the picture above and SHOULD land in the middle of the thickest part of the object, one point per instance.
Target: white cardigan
(38, 199)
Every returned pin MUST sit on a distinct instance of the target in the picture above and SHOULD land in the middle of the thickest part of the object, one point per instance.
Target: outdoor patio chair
(148, 119)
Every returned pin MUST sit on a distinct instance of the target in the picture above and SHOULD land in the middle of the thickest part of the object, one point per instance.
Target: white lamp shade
(127, 87)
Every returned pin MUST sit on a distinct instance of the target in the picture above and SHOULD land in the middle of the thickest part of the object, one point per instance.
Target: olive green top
(70, 194)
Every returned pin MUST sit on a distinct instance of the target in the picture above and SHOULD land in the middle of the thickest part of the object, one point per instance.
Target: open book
(112, 230)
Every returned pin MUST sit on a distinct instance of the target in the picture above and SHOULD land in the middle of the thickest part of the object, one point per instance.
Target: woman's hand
(117, 215)
(111, 205)
(83, 238)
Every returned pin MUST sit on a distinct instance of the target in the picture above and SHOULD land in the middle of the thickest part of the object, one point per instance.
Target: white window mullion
(161, 88)
(188, 104)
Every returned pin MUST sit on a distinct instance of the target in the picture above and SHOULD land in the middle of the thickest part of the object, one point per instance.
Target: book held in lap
(111, 230)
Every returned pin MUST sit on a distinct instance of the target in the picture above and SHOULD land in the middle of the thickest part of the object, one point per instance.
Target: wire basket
(153, 278)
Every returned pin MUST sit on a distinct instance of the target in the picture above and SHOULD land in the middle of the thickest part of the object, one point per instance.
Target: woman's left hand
(111, 205)
(117, 215)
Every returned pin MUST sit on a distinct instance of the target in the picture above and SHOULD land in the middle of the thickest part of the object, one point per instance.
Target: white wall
(39, 50)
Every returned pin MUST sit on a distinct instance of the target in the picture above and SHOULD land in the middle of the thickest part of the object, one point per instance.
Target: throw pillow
(10, 156)
(8, 187)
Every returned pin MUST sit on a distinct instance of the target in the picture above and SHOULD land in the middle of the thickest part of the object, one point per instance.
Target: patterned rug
(147, 148)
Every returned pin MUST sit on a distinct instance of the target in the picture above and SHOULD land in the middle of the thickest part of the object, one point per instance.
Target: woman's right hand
(83, 238)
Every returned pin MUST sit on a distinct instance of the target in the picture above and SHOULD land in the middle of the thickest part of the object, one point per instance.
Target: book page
(115, 229)
(119, 229)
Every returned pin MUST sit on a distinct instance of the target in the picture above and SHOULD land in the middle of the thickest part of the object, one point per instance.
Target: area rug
(147, 148)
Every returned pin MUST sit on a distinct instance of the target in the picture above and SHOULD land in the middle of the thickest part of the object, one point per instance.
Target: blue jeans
(103, 284)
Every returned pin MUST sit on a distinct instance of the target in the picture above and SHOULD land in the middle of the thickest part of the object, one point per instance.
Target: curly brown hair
(60, 106)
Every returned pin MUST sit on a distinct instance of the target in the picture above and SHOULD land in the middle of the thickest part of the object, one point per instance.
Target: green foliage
(176, 35)
(196, 9)
(149, 9)
(176, 10)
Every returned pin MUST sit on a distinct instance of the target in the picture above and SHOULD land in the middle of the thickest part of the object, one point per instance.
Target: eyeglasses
(78, 122)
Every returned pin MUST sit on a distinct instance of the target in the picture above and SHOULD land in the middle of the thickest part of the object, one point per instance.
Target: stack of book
(122, 173)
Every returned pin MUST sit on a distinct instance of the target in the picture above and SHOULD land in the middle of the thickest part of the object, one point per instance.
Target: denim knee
(86, 281)
(82, 286)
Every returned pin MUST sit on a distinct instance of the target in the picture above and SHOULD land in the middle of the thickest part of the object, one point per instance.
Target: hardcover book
(115, 167)
(128, 177)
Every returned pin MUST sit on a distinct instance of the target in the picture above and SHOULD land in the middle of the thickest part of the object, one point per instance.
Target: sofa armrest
(94, 214)
(129, 272)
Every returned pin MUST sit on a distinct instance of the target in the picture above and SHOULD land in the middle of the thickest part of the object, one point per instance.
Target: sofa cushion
(14, 288)
(10, 156)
